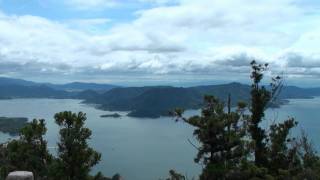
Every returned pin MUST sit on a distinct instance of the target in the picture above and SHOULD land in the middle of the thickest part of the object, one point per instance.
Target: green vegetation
(114, 115)
(173, 175)
(152, 101)
(232, 142)
(29, 152)
(20, 91)
(75, 157)
(233, 145)
(71, 87)
(12, 125)
(157, 101)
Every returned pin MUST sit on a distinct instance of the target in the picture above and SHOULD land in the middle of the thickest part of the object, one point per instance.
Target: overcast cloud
(160, 37)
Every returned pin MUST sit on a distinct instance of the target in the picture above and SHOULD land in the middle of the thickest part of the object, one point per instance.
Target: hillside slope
(19, 91)
(155, 101)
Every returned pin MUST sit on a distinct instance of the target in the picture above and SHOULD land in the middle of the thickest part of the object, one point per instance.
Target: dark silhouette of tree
(220, 134)
(309, 158)
(28, 152)
(234, 145)
(260, 98)
(173, 175)
(75, 157)
(281, 157)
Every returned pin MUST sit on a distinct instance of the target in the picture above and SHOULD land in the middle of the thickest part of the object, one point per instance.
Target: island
(114, 115)
(147, 101)
(12, 125)
(4, 98)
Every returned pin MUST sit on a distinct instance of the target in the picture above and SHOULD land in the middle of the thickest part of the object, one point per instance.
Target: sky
(159, 42)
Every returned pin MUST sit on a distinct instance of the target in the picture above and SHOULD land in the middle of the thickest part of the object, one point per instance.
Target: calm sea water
(142, 148)
(138, 149)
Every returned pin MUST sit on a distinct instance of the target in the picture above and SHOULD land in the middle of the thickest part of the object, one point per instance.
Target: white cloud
(192, 37)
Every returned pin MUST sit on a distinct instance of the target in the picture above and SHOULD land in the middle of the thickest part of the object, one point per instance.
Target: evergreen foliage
(175, 176)
(234, 145)
(29, 152)
(75, 157)
(221, 135)
(12, 125)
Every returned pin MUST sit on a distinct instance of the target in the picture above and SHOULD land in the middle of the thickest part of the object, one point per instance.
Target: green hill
(149, 101)
(159, 101)
(155, 101)
(21, 91)
(12, 125)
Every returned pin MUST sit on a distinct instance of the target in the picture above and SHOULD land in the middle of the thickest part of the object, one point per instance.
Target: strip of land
(12, 125)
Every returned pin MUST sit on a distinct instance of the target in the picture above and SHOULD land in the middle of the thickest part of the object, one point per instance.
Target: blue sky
(59, 10)
(149, 42)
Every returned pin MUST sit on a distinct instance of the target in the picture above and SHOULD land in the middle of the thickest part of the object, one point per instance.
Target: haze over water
(143, 148)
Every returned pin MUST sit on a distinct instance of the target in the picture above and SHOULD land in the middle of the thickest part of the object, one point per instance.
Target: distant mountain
(157, 101)
(71, 87)
(293, 92)
(120, 98)
(80, 86)
(18, 88)
(149, 101)
(19, 91)
(238, 91)
(11, 81)
(88, 95)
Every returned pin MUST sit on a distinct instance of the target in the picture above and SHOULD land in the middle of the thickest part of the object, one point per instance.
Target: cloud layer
(202, 37)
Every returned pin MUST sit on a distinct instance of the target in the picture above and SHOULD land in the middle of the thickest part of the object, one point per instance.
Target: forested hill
(156, 101)
(19, 88)
(20, 91)
(81, 86)
(70, 87)
(149, 101)
(159, 100)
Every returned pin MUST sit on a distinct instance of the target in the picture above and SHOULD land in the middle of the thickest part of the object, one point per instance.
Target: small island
(12, 125)
(114, 115)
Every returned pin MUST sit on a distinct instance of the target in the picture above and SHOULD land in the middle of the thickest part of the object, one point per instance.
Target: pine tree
(75, 157)
(234, 145)
(220, 135)
(260, 97)
(29, 152)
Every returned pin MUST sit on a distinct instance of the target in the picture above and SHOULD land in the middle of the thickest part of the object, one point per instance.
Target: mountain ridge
(147, 101)
(70, 87)
(156, 101)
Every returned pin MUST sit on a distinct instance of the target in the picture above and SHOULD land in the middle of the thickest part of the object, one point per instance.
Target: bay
(144, 148)
(137, 148)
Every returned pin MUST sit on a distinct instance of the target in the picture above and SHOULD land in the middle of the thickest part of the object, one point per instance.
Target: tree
(272, 152)
(175, 176)
(75, 157)
(234, 145)
(29, 152)
(281, 156)
(260, 97)
(220, 135)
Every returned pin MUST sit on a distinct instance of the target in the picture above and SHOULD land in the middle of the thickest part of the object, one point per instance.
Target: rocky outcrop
(20, 175)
